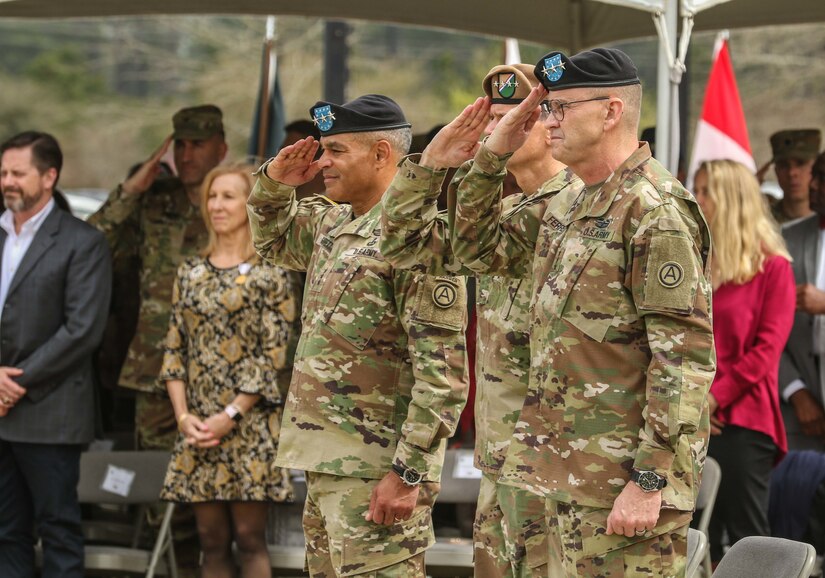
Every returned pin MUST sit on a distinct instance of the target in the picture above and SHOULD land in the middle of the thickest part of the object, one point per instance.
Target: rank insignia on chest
(326, 243)
(671, 274)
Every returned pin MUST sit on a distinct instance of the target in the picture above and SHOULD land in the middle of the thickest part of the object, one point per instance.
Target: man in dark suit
(55, 283)
(801, 371)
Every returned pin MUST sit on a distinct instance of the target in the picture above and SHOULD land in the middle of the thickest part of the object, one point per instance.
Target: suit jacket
(52, 322)
(798, 359)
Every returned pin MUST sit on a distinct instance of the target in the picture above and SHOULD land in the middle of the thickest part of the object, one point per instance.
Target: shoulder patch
(441, 302)
(672, 273)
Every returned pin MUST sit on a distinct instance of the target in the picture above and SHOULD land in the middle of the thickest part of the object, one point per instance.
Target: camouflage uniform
(162, 228)
(379, 378)
(508, 530)
(621, 345)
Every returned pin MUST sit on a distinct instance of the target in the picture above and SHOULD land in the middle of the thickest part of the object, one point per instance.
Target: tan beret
(509, 83)
(801, 144)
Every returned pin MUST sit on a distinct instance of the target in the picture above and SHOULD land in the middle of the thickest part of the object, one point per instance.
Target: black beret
(366, 113)
(591, 68)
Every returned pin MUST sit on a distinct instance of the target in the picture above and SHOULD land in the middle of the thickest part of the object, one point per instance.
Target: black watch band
(409, 476)
(648, 481)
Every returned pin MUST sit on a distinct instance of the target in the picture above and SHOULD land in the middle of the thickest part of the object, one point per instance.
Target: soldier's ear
(383, 152)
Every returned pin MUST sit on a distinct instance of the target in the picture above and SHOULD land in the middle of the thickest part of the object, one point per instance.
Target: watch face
(648, 481)
(411, 477)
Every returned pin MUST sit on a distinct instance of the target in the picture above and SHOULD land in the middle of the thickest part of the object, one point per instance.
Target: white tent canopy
(570, 24)
(567, 24)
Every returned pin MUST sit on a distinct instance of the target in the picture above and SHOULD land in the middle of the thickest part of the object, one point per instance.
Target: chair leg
(708, 568)
(162, 542)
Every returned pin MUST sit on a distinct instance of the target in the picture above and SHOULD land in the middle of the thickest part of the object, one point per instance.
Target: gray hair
(400, 139)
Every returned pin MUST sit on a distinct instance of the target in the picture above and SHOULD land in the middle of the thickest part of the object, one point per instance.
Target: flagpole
(268, 69)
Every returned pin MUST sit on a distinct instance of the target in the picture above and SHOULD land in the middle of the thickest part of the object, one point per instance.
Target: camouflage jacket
(380, 370)
(413, 232)
(162, 228)
(622, 352)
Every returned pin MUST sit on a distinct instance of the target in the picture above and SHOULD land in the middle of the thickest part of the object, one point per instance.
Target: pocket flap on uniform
(596, 542)
(382, 546)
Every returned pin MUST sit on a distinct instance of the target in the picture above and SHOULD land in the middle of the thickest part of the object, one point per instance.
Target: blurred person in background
(801, 371)
(753, 307)
(794, 152)
(230, 343)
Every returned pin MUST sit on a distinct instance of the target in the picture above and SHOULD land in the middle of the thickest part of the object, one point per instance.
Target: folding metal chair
(149, 469)
(711, 478)
(766, 557)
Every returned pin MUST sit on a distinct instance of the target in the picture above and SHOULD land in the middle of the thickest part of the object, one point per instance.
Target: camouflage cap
(802, 144)
(197, 122)
(509, 83)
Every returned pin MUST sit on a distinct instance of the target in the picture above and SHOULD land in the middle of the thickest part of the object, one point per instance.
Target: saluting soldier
(380, 376)
(158, 221)
(509, 531)
(614, 428)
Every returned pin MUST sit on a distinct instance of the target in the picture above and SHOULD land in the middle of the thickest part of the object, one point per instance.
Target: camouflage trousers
(509, 532)
(340, 542)
(156, 428)
(580, 548)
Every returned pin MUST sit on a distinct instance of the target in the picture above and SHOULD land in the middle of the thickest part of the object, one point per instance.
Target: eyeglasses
(557, 106)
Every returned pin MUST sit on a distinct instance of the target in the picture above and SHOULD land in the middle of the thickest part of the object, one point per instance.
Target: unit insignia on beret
(506, 84)
(323, 117)
(553, 68)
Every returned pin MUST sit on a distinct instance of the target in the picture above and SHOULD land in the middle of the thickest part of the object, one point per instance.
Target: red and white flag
(721, 132)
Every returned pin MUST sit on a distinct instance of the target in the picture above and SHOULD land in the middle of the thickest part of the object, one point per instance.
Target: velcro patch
(441, 302)
(672, 275)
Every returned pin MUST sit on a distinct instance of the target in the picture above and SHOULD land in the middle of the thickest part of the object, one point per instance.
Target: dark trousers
(746, 458)
(38, 489)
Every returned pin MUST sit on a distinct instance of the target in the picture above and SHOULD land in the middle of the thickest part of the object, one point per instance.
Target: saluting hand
(147, 173)
(458, 141)
(295, 165)
(514, 128)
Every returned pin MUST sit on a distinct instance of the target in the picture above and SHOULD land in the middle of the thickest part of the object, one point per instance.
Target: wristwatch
(234, 412)
(409, 476)
(647, 480)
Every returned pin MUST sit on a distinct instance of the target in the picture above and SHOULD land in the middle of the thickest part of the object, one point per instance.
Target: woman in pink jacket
(753, 307)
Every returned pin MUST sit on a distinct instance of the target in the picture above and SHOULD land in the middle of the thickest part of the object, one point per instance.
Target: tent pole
(664, 87)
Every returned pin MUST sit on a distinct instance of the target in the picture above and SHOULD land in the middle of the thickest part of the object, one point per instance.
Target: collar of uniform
(604, 197)
(363, 225)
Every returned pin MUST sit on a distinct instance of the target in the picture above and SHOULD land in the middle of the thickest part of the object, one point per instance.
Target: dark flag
(269, 117)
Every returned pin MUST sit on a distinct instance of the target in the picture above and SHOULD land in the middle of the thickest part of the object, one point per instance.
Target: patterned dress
(231, 333)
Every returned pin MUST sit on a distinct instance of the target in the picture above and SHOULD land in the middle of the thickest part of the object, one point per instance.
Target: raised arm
(283, 230)
(413, 231)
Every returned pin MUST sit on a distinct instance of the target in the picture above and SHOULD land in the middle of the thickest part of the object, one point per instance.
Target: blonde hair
(744, 232)
(243, 170)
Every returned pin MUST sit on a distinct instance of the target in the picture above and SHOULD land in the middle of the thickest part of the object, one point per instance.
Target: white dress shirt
(17, 245)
